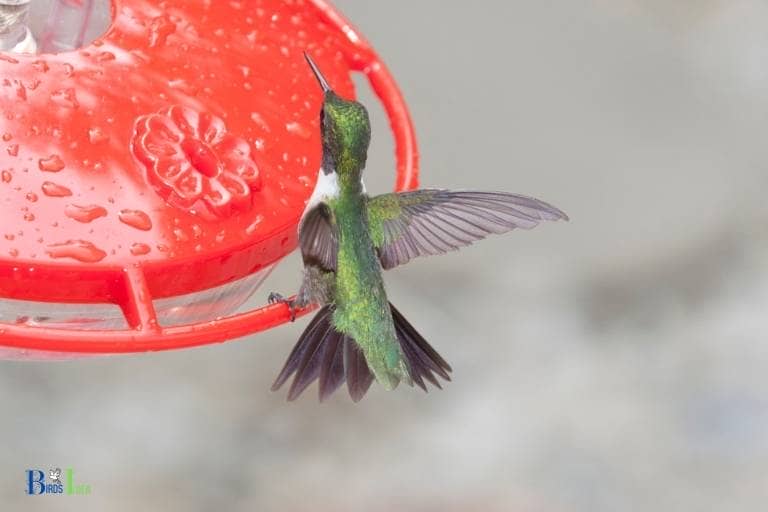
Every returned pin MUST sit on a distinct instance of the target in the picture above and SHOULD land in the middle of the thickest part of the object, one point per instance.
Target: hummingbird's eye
(322, 117)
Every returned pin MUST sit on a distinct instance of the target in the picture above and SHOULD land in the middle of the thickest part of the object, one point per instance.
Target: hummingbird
(347, 238)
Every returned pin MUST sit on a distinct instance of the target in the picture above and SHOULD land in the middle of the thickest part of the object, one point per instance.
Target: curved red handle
(136, 301)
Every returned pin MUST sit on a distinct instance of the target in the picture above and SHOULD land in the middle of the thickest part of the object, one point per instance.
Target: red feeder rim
(209, 134)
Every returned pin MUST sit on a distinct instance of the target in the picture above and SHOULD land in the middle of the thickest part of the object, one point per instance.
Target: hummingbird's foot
(276, 298)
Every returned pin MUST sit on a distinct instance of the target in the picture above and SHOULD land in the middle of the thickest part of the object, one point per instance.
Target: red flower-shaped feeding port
(193, 163)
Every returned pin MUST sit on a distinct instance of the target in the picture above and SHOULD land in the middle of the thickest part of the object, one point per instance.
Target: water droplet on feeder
(41, 66)
(65, 98)
(180, 234)
(139, 249)
(84, 214)
(259, 120)
(105, 56)
(81, 250)
(96, 135)
(55, 190)
(53, 163)
(159, 29)
(136, 219)
(298, 129)
(254, 225)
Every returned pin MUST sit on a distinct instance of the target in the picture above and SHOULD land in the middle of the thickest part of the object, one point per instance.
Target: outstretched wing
(431, 221)
(318, 238)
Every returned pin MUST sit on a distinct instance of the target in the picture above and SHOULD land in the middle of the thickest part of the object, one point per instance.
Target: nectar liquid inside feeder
(154, 168)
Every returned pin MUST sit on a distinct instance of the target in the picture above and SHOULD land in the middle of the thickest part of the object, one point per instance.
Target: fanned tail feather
(421, 358)
(331, 357)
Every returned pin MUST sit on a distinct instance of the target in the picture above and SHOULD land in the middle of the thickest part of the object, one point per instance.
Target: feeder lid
(173, 154)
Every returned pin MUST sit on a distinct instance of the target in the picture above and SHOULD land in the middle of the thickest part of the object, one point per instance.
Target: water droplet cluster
(73, 188)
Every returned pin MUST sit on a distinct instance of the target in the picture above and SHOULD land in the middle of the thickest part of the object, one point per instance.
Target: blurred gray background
(614, 363)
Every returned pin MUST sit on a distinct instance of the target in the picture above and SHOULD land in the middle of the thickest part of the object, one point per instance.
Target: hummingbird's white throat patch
(326, 187)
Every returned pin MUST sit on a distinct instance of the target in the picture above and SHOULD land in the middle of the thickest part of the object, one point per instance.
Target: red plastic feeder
(151, 179)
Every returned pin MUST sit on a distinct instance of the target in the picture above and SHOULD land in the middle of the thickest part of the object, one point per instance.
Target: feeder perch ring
(170, 156)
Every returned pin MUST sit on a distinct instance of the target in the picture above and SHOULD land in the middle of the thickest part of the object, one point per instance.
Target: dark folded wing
(430, 221)
(318, 239)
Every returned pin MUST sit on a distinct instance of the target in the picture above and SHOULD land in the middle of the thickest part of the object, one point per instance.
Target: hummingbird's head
(345, 129)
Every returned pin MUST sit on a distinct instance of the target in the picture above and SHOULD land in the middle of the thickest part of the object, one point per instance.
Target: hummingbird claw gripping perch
(277, 298)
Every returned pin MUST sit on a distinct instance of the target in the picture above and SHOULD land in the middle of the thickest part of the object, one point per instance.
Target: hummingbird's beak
(320, 78)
